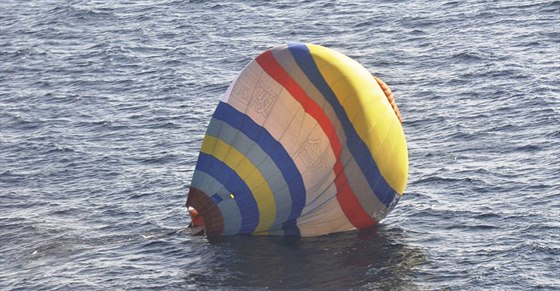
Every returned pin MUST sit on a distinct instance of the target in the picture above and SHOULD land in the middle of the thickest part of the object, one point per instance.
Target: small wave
(469, 56)
(487, 215)
(473, 227)
(528, 148)
(446, 180)
(56, 148)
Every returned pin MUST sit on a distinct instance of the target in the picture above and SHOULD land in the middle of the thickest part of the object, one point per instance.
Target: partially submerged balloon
(305, 142)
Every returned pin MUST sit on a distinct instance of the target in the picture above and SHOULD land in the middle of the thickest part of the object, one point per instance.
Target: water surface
(103, 107)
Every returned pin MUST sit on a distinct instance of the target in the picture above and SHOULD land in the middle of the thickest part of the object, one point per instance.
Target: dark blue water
(103, 107)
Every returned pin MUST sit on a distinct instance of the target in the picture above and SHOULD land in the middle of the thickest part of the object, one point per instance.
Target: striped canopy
(305, 142)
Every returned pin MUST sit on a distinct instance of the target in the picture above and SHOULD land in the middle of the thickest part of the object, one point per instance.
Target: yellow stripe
(369, 111)
(249, 173)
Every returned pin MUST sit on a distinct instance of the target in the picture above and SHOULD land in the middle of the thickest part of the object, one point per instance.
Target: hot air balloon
(305, 142)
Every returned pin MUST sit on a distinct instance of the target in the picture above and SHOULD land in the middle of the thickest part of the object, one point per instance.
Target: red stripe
(346, 197)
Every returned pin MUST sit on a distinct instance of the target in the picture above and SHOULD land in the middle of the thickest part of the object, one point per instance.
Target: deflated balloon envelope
(305, 142)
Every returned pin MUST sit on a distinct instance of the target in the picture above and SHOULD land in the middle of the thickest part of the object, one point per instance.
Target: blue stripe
(234, 184)
(290, 228)
(277, 153)
(228, 207)
(217, 199)
(266, 166)
(355, 144)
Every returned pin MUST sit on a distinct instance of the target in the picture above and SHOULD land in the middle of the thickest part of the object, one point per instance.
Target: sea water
(103, 106)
